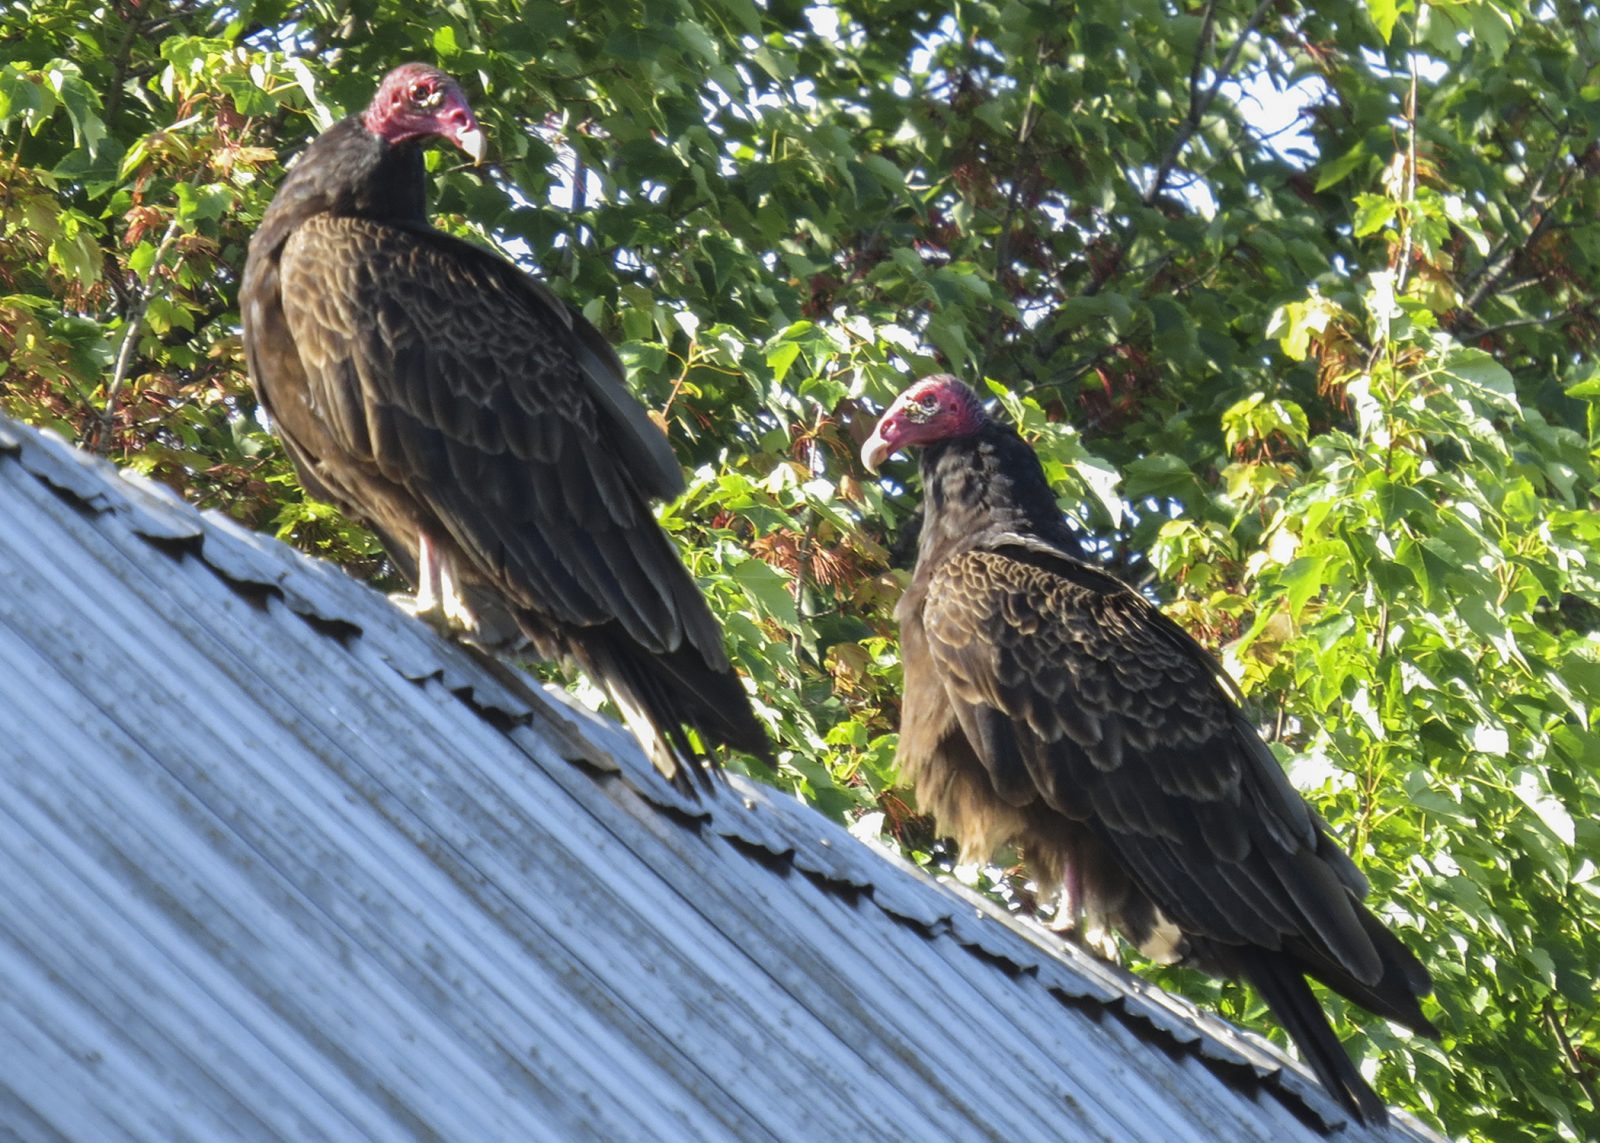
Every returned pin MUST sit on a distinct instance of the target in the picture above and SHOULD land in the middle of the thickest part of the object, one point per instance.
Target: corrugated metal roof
(278, 862)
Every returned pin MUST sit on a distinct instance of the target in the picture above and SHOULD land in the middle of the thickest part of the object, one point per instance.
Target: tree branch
(124, 61)
(1569, 1050)
(1200, 103)
(131, 328)
(1002, 246)
(1571, 311)
(1411, 172)
(1069, 373)
(1500, 260)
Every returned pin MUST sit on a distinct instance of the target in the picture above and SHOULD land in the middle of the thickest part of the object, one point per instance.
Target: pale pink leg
(439, 599)
(428, 576)
(450, 597)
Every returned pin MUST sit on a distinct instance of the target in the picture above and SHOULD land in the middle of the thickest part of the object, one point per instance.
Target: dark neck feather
(350, 171)
(988, 482)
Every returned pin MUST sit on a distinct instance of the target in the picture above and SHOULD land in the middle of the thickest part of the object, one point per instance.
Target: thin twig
(1411, 174)
(1200, 103)
(1572, 311)
(1493, 279)
(1521, 284)
(580, 203)
(1002, 246)
(124, 57)
(1494, 268)
(1574, 1059)
(1535, 192)
(802, 564)
(132, 325)
(1061, 381)
(1197, 103)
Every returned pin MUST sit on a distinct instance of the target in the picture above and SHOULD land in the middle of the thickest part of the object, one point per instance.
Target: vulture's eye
(929, 403)
(425, 95)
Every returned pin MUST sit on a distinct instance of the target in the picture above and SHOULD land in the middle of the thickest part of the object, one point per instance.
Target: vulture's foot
(1078, 920)
(1093, 939)
(431, 612)
(439, 601)
(497, 634)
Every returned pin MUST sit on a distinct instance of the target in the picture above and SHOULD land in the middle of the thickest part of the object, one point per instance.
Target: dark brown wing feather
(429, 387)
(1050, 707)
(1075, 688)
(450, 378)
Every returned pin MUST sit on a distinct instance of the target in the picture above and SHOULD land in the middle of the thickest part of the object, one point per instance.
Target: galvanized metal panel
(277, 862)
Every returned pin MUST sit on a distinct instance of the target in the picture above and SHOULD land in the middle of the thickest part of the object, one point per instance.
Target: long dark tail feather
(1394, 995)
(660, 695)
(1282, 985)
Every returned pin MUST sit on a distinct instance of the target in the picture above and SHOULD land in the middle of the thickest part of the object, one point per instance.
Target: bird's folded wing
(1065, 680)
(490, 403)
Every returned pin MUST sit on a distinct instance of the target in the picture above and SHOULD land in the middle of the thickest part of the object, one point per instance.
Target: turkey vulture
(480, 426)
(1049, 707)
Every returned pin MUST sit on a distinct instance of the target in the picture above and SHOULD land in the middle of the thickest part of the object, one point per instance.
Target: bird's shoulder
(1026, 627)
(1030, 587)
(490, 331)
(404, 262)
(1064, 678)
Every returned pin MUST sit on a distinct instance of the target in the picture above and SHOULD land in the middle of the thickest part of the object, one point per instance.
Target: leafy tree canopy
(1329, 392)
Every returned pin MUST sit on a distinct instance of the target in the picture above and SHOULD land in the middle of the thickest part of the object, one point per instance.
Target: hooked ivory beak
(472, 141)
(876, 450)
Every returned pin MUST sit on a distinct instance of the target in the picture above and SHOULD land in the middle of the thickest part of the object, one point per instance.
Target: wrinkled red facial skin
(416, 101)
(934, 409)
